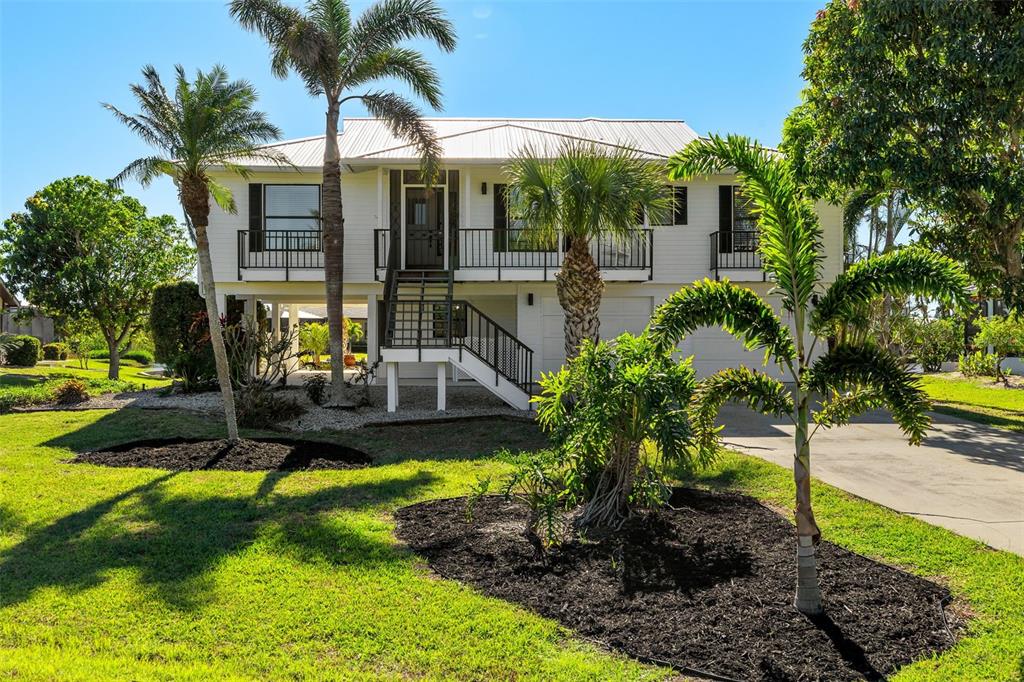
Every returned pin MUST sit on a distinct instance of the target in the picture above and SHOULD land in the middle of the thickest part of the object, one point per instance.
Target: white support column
(250, 305)
(293, 324)
(442, 386)
(392, 386)
(275, 323)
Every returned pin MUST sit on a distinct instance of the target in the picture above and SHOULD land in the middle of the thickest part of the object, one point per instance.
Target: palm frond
(388, 22)
(873, 378)
(853, 212)
(405, 122)
(145, 170)
(790, 236)
(584, 191)
(910, 271)
(756, 390)
(403, 64)
(738, 311)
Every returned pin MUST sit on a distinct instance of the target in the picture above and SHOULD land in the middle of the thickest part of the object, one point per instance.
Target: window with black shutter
(291, 217)
(256, 236)
(677, 214)
(725, 218)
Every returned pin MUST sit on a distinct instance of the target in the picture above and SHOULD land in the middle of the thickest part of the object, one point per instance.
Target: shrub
(600, 411)
(316, 388)
(259, 406)
(978, 364)
(174, 309)
(55, 351)
(71, 392)
(143, 357)
(932, 342)
(181, 338)
(1006, 337)
(314, 338)
(23, 351)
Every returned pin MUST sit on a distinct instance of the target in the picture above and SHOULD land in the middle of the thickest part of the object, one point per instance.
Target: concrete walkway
(966, 476)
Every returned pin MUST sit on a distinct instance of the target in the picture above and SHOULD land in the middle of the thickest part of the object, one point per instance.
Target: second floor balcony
(475, 254)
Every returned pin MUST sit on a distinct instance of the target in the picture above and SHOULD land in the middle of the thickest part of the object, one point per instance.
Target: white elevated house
(451, 292)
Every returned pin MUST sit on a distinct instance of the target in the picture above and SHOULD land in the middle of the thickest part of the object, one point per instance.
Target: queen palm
(832, 385)
(581, 192)
(335, 55)
(207, 123)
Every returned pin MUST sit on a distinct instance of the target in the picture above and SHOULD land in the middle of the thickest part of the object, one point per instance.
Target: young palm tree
(849, 378)
(583, 192)
(335, 55)
(208, 122)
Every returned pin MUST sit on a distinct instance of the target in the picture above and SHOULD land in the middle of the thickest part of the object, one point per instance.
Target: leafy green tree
(1005, 335)
(337, 57)
(206, 124)
(314, 338)
(600, 409)
(583, 192)
(849, 378)
(931, 342)
(83, 249)
(925, 97)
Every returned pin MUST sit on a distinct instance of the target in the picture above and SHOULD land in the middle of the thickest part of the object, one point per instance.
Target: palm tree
(584, 191)
(209, 122)
(333, 56)
(849, 378)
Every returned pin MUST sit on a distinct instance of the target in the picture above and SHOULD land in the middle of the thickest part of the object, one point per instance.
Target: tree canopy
(83, 249)
(926, 97)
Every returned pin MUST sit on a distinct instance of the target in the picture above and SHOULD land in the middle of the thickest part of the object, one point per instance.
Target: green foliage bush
(601, 411)
(259, 406)
(316, 388)
(177, 325)
(24, 351)
(931, 342)
(45, 391)
(71, 392)
(55, 351)
(314, 338)
(1005, 335)
(978, 364)
(143, 357)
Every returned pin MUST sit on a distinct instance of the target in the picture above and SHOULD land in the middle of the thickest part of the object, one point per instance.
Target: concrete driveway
(966, 477)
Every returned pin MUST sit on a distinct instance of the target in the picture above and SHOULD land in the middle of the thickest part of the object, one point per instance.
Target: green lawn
(23, 386)
(146, 574)
(979, 400)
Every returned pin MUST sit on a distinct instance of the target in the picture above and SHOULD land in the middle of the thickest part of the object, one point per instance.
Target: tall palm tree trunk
(195, 199)
(579, 286)
(808, 591)
(334, 251)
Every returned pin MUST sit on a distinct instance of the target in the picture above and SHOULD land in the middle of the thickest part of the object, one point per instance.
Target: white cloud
(482, 11)
(480, 36)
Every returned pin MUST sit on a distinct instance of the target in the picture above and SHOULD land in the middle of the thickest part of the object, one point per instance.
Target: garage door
(617, 315)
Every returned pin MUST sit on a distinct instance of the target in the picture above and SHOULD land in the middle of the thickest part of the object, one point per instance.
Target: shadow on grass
(173, 539)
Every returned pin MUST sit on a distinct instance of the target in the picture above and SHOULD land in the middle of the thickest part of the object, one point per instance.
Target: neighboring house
(15, 319)
(451, 291)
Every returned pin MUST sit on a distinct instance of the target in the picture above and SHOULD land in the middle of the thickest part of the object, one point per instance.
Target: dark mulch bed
(264, 454)
(706, 586)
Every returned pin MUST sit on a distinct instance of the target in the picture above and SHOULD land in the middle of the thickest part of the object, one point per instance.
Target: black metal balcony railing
(459, 324)
(498, 250)
(280, 250)
(735, 251)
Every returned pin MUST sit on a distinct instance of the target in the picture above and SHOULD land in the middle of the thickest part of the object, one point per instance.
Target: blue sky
(721, 66)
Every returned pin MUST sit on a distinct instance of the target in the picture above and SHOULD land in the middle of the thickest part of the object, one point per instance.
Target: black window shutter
(725, 218)
(500, 217)
(680, 217)
(453, 218)
(395, 211)
(256, 234)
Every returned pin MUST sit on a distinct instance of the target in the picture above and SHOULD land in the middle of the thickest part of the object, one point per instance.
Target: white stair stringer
(485, 375)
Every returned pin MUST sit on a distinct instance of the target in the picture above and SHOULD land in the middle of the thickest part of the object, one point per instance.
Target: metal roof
(367, 140)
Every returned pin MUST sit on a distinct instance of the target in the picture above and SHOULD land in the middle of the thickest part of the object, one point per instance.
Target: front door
(424, 228)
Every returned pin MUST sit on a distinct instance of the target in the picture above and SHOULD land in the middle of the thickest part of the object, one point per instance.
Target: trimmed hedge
(25, 352)
(143, 357)
(55, 351)
(177, 323)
